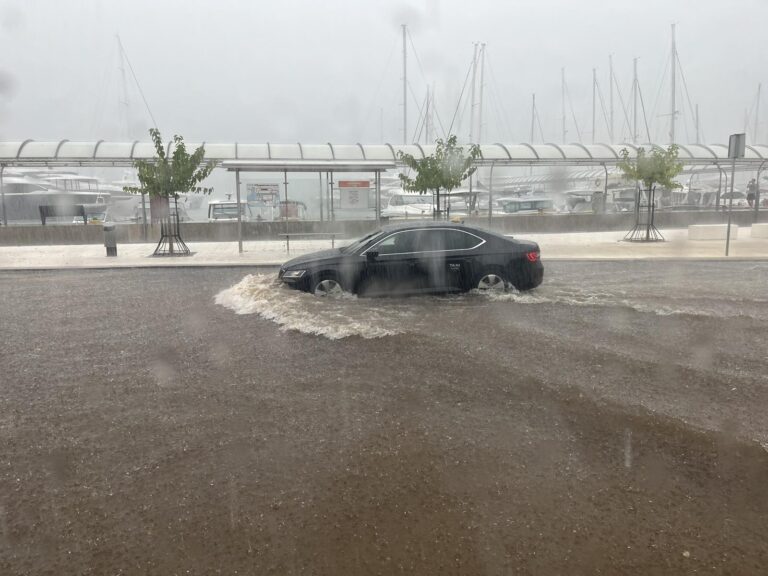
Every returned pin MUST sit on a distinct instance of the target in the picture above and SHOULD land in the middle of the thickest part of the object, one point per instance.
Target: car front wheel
(326, 285)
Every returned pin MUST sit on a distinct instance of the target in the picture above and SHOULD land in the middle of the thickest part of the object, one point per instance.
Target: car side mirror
(371, 256)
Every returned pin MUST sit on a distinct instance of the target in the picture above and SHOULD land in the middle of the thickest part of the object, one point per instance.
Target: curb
(136, 267)
(274, 265)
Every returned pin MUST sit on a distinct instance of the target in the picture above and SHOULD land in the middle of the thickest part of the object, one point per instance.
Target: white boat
(24, 192)
(402, 204)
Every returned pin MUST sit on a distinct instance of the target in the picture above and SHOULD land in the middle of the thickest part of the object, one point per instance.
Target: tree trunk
(651, 212)
(159, 208)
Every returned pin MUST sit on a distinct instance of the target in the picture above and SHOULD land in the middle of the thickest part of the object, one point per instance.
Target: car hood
(315, 258)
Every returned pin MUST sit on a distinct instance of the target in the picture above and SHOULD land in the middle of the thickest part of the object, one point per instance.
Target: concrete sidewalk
(588, 246)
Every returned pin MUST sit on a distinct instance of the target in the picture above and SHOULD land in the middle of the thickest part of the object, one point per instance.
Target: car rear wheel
(326, 285)
(492, 281)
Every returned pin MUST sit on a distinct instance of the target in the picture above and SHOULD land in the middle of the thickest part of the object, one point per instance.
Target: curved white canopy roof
(103, 153)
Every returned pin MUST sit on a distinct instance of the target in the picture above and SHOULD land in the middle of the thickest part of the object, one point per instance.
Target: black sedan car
(419, 258)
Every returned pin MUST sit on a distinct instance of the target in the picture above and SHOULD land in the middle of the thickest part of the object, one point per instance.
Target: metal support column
(285, 188)
(757, 192)
(332, 209)
(378, 198)
(720, 187)
(2, 195)
(144, 216)
(730, 209)
(320, 175)
(490, 196)
(689, 195)
(239, 213)
(285, 211)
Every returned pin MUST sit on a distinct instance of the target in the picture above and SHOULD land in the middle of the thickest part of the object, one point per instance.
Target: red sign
(354, 184)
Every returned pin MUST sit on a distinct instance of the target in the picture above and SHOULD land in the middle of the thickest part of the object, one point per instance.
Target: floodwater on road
(211, 421)
(671, 293)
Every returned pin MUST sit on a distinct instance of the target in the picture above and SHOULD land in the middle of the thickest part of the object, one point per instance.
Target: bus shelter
(329, 167)
(361, 158)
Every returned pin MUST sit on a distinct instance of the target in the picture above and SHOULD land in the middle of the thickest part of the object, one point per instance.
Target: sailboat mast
(405, 87)
(432, 113)
(124, 113)
(427, 122)
(698, 132)
(610, 77)
(634, 104)
(757, 111)
(562, 88)
(594, 101)
(480, 103)
(472, 95)
(673, 106)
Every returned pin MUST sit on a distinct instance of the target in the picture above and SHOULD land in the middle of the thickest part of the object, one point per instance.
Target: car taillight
(532, 256)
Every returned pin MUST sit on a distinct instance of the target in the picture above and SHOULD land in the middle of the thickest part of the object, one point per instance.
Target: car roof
(429, 224)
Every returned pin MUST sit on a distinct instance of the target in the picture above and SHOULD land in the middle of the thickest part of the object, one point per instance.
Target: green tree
(658, 167)
(444, 170)
(166, 177)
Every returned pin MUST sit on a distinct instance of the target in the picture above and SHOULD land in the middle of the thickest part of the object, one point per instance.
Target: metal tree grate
(644, 229)
(171, 243)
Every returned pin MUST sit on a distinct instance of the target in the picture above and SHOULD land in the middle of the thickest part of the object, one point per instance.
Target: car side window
(430, 241)
(411, 241)
(398, 243)
(442, 240)
(459, 240)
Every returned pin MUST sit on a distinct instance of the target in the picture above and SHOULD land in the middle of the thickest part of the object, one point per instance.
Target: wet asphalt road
(611, 422)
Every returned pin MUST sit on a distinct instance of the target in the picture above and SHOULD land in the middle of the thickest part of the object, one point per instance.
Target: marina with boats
(544, 179)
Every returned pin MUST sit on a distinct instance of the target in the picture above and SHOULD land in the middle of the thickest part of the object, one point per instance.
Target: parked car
(226, 211)
(419, 258)
(525, 205)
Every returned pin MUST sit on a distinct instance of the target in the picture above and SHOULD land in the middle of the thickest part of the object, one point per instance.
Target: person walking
(751, 189)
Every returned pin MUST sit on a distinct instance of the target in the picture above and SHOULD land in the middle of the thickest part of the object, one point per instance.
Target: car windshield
(406, 287)
(358, 244)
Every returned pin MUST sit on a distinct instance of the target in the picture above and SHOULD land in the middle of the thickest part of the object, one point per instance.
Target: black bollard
(110, 239)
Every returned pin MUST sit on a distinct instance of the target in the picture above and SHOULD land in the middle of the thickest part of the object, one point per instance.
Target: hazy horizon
(301, 71)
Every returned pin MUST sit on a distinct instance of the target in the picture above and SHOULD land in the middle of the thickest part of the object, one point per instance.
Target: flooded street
(202, 421)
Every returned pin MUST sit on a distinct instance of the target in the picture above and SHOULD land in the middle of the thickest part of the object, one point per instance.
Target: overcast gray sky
(301, 70)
